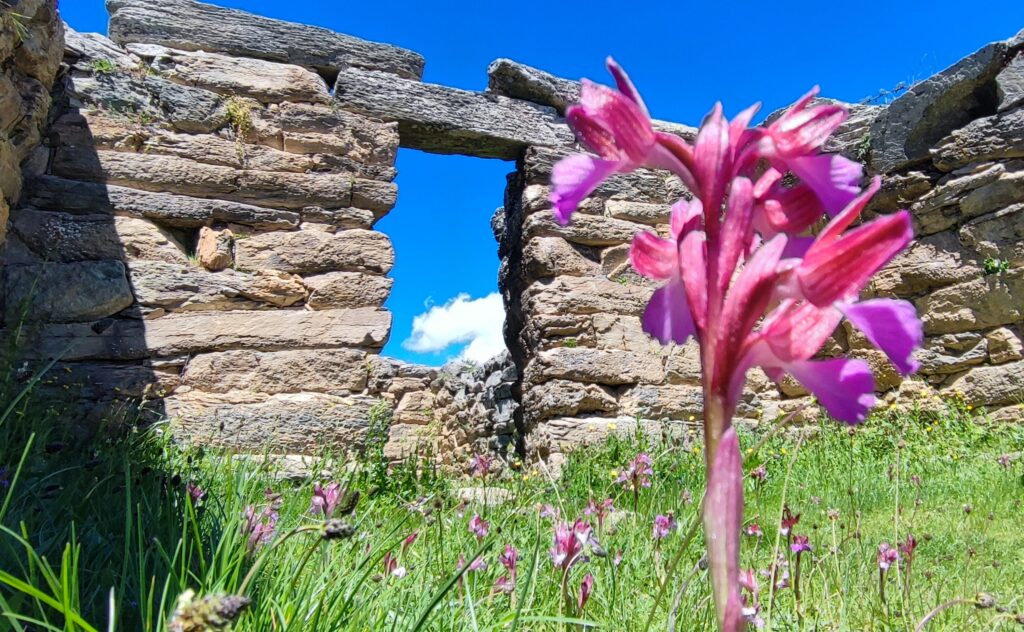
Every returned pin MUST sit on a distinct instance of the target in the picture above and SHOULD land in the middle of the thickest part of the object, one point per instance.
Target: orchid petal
(591, 131)
(723, 517)
(667, 317)
(712, 162)
(677, 157)
(693, 268)
(654, 257)
(625, 85)
(573, 179)
(736, 229)
(834, 179)
(844, 387)
(892, 326)
(796, 332)
(686, 216)
(749, 296)
(624, 119)
(837, 271)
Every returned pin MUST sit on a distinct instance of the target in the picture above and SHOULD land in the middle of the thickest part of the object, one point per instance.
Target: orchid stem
(671, 570)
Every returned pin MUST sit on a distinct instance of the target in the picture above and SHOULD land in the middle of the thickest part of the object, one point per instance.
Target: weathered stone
(102, 130)
(990, 138)
(587, 230)
(519, 81)
(177, 334)
(899, 191)
(175, 287)
(622, 332)
(650, 214)
(448, 120)
(215, 248)
(171, 174)
(65, 292)
(145, 99)
(90, 47)
(991, 385)
(1004, 346)
(1007, 190)
(408, 440)
(306, 423)
(332, 371)
(682, 364)
(616, 263)
(931, 262)
(563, 398)
(642, 185)
(911, 125)
(853, 137)
(313, 252)
(571, 433)
(347, 289)
(197, 26)
(984, 302)
(416, 407)
(685, 403)
(579, 295)
(340, 218)
(596, 366)
(1010, 84)
(952, 353)
(48, 192)
(265, 81)
(63, 237)
(939, 209)
(554, 256)
(998, 236)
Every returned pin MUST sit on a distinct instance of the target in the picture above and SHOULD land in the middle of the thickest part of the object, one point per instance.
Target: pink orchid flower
(325, 499)
(568, 543)
(663, 526)
(586, 587)
(480, 465)
(478, 527)
(801, 544)
(741, 276)
(509, 558)
(887, 556)
(637, 473)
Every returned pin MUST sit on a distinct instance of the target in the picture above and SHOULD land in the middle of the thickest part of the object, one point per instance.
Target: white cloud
(461, 320)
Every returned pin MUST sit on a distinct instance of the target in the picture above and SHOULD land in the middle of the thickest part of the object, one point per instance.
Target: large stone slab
(988, 301)
(177, 287)
(586, 230)
(939, 208)
(999, 235)
(151, 98)
(664, 402)
(581, 295)
(60, 194)
(564, 398)
(64, 237)
(1010, 84)
(519, 81)
(919, 118)
(65, 292)
(178, 334)
(347, 289)
(171, 174)
(265, 81)
(554, 256)
(447, 120)
(192, 25)
(272, 372)
(990, 138)
(991, 385)
(931, 262)
(303, 423)
(643, 185)
(597, 366)
(315, 251)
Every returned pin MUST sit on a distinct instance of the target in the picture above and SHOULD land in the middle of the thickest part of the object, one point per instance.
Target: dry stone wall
(197, 232)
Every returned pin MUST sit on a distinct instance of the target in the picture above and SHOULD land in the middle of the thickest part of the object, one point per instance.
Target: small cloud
(477, 323)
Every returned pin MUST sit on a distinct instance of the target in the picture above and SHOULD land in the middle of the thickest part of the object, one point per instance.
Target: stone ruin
(195, 231)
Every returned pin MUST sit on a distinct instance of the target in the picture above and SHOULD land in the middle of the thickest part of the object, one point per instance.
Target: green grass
(91, 529)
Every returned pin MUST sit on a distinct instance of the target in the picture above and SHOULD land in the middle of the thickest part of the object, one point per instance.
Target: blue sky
(683, 56)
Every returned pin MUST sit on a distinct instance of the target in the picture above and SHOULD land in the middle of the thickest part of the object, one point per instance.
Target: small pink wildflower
(789, 520)
(907, 547)
(325, 499)
(637, 473)
(599, 510)
(887, 556)
(549, 512)
(195, 492)
(753, 530)
(480, 465)
(801, 544)
(663, 525)
(586, 587)
(617, 558)
(479, 527)
(409, 539)
(258, 527)
(759, 473)
(569, 542)
(504, 584)
(509, 558)
(391, 566)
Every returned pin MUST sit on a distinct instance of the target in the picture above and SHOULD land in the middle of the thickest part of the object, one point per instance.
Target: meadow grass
(105, 536)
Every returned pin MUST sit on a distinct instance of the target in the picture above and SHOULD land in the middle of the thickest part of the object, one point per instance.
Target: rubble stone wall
(197, 231)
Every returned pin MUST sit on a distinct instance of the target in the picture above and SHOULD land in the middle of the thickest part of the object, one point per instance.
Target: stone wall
(30, 51)
(198, 232)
